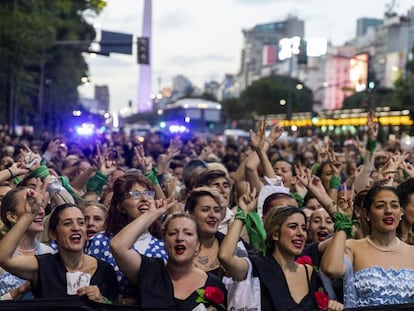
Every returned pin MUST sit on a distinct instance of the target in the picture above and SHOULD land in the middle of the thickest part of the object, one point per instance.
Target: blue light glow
(86, 129)
(177, 129)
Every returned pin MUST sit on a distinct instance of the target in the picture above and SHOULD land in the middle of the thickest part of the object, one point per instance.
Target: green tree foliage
(39, 75)
(263, 96)
(379, 97)
(234, 110)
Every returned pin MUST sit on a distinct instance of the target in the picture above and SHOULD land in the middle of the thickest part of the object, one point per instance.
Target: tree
(234, 110)
(263, 97)
(36, 74)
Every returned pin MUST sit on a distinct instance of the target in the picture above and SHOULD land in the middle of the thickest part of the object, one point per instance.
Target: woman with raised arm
(372, 275)
(285, 284)
(11, 286)
(69, 272)
(362, 180)
(177, 284)
(132, 196)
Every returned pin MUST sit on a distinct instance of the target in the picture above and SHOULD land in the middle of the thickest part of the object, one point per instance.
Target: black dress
(52, 283)
(275, 294)
(156, 291)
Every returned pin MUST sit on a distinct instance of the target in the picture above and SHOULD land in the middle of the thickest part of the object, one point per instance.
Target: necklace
(384, 249)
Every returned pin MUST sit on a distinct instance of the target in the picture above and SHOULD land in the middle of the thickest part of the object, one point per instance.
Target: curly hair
(122, 186)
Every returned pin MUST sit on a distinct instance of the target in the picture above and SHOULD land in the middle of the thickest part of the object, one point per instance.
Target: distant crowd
(193, 223)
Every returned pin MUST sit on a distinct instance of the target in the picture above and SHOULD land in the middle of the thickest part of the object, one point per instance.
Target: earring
(368, 219)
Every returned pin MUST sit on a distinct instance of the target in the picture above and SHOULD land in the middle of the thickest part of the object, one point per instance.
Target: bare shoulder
(353, 246)
(407, 248)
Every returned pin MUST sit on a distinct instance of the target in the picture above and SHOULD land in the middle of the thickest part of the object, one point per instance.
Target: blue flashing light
(77, 113)
(101, 130)
(86, 129)
(162, 124)
(177, 129)
(187, 120)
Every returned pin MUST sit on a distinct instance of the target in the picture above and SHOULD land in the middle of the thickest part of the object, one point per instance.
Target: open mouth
(211, 223)
(143, 208)
(75, 238)
(322, 235)
(297, 244)
(90, 233)
(38, 221)
(180, 249)
(388, 220)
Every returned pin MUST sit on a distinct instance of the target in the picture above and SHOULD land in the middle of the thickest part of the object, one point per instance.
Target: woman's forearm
(233, 265)
(332, 263)
(126, 238)
(12, 238)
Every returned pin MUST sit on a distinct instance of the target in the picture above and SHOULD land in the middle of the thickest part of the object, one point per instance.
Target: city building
(261, 48)
(365, 25)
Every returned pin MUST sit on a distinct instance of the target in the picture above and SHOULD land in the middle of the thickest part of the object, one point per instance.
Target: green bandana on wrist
(255, 229)
(344, 223)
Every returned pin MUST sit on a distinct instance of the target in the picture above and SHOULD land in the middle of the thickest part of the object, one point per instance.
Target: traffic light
(143, 50)
(371, 76)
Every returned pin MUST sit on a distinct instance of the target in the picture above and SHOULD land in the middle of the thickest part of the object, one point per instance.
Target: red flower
(322, 299)
(214, 294)
(304, 260)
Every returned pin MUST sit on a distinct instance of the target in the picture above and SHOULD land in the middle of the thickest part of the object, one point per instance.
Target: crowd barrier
(408, 307)
(75, 304)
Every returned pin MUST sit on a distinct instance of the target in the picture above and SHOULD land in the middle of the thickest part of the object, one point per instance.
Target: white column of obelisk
(144, 103)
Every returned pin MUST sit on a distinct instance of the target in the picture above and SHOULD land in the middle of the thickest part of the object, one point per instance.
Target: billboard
(269, 55)
(358, 72)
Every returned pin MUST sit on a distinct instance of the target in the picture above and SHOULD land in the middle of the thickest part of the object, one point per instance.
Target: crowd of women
(197, 225)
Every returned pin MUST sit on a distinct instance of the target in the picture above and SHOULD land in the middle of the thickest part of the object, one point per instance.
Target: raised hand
(18, 169)
(145, 162)
(359, 144)
(407, 168)
(275, 133)
(334, 163)
(247, 201)
(372, 126)
(321, 153)
(106, 161)
(345, 201)
(29, 159)
(32, 202)
(162, 206)
(257, 139)
(53, 146)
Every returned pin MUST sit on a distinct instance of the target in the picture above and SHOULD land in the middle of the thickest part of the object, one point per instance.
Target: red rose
(304, 260)
(214, 294)
(322, 299)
